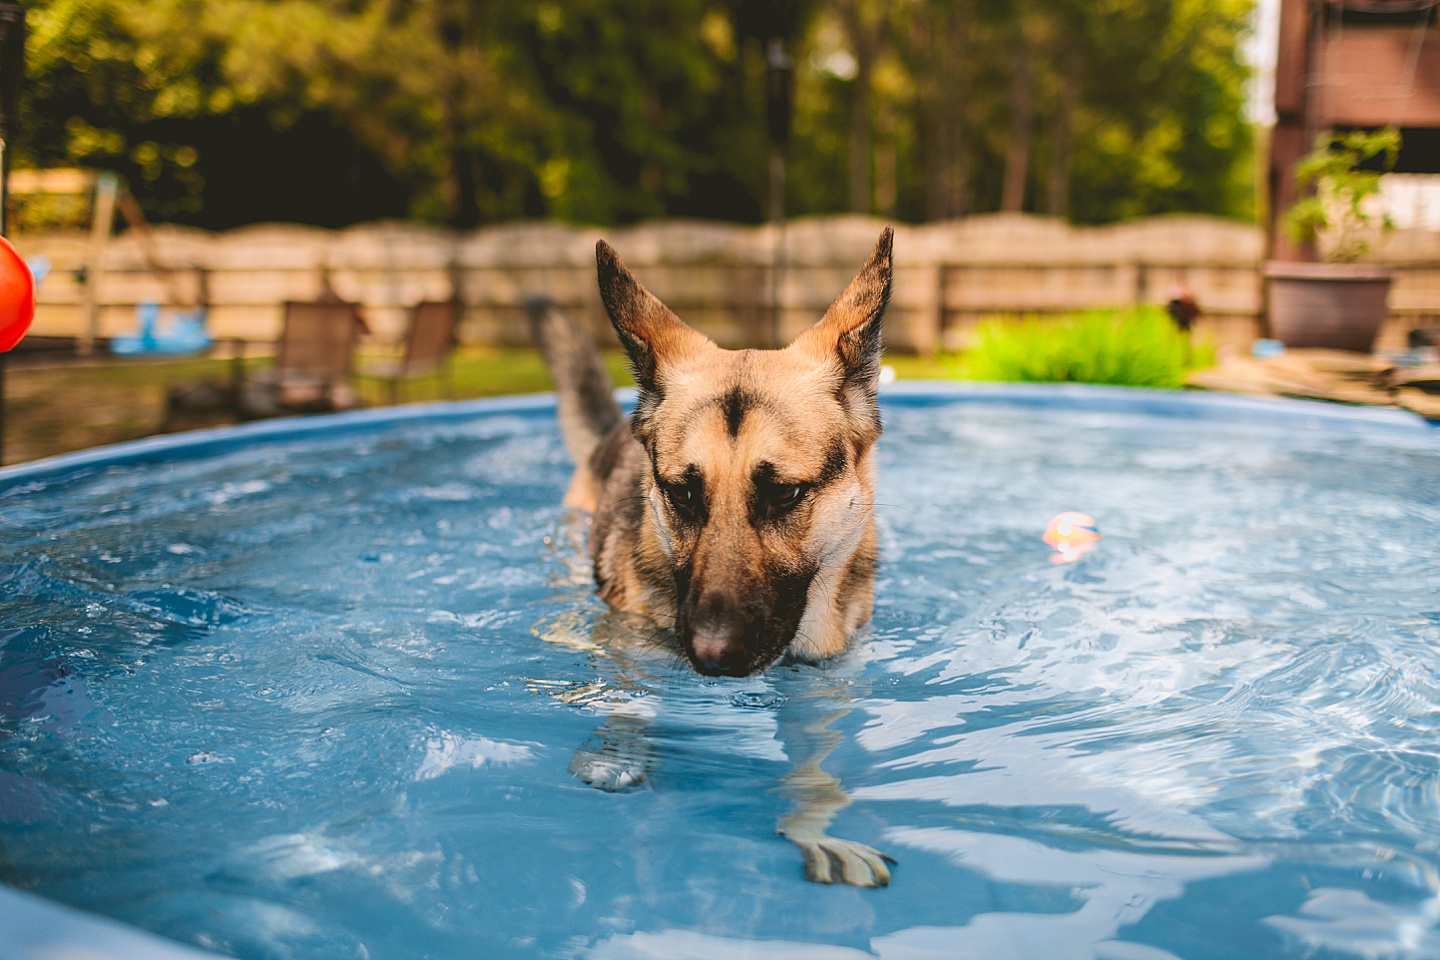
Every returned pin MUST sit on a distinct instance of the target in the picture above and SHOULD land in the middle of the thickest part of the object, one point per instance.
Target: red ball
(17, 296)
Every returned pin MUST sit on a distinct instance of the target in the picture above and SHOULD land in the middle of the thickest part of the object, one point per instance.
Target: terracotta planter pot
(1338, 305)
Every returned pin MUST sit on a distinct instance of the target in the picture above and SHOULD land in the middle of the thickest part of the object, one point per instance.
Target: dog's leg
(817, 796)
(618, 754)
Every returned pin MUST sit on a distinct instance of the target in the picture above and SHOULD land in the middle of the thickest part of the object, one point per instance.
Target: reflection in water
(1114, 888)
(645, 687)
(1107, 890)
(1349, 922)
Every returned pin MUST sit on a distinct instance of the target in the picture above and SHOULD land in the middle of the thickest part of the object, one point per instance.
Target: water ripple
(320, 698)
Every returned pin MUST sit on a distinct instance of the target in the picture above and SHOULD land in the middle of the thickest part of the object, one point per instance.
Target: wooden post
(107, 190)
(1288, 143)
(929, 325)
(12, 69)
(751, 308)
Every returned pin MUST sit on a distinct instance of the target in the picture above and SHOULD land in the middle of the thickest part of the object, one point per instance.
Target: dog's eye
(780, 498)
(684, 497)
(785, 496)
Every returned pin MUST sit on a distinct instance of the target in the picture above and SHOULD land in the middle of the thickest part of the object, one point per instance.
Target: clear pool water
(314, 695)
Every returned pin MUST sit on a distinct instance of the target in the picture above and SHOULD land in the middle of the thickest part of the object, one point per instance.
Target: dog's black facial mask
(735, 630)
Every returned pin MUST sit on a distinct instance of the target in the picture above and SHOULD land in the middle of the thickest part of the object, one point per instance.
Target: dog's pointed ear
(651, 335)
(849, 333)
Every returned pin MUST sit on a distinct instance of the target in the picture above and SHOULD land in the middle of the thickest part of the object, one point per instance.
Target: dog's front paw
(832, 860)
(609, 769)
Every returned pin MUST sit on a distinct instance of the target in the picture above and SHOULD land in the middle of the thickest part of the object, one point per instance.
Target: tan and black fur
(736, 504)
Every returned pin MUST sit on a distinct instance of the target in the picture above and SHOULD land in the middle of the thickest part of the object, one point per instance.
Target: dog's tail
(586, 397)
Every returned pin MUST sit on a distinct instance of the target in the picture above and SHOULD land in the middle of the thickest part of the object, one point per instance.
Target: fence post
(929, 324)
(107, 189)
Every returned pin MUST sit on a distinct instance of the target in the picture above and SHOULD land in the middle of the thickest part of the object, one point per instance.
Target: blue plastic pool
(310, 688)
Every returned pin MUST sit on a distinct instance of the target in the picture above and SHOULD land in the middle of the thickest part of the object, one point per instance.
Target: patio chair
(314, 360)
(313, 365)
(315, 356)
(429, 342)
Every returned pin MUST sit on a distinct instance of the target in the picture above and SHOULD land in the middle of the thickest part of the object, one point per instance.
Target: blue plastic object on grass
(39, 268)
(184, 334)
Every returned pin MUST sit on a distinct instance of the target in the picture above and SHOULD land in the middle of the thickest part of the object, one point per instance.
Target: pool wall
(36, 929)
(1189, 405)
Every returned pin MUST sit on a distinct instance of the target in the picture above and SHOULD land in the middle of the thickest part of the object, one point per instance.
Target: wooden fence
(718, 277)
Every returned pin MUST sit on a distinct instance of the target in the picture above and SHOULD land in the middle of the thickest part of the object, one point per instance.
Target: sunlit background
(183, 169)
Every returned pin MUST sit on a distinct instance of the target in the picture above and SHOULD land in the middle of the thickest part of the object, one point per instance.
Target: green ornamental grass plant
(1138, 347)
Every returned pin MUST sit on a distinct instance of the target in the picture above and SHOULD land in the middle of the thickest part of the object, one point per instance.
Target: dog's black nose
(719, 650)
(718, 629)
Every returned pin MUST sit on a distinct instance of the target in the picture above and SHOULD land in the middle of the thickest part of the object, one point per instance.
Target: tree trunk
(1062, 138)
(887, 189)
(461, 190)
(1022, 120)
(942, 115)
(860, 136)
(457, 26)
(866, 23)
(466, 214)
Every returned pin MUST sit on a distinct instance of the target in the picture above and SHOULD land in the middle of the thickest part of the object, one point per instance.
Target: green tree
(470, 111)
(1161, 128)
(93, 85)
(1096, 111)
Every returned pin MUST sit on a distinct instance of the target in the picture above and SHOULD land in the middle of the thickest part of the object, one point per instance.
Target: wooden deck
(1333, 375)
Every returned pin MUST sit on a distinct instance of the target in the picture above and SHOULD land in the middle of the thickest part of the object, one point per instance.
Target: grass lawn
(59, 408)
(55, 409)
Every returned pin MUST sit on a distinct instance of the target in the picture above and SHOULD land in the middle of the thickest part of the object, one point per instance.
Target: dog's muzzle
(720, 650)
(737, 632)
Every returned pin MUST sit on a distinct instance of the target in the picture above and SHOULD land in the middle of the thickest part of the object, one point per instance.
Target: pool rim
(1178, 404)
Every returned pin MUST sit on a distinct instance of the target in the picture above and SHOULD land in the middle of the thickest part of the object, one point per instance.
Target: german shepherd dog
(735, 506)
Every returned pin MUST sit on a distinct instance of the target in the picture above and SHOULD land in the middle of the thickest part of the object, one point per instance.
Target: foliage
(1164, 131)
(42, 212)
(1140, 347)
(1135, 107)
(1335, 170)
(220, 112)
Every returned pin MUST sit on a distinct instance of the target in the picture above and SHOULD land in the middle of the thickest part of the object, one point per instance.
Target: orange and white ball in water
(1071, 534)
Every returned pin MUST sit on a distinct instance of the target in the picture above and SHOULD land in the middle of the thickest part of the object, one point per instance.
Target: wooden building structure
(1349, 64)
